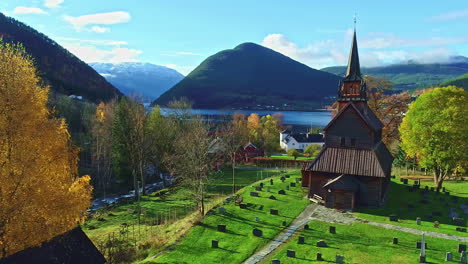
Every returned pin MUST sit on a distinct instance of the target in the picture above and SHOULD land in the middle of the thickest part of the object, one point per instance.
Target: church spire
(353, 72)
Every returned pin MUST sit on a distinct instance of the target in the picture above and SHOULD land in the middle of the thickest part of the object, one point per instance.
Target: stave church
(353, 168)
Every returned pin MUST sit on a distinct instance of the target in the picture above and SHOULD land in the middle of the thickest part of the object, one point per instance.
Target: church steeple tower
(353, 87)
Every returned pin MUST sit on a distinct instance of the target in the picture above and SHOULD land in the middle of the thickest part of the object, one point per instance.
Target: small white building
(298, 141)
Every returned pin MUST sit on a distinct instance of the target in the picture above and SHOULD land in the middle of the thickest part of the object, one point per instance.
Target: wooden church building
(353, 168)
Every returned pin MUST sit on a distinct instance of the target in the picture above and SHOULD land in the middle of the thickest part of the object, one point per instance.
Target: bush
(293, 153)
(313, 150)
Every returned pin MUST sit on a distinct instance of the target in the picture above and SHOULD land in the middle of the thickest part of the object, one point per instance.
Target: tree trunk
(142, 177)
(135, 184)
(202, 201)
(233, 173)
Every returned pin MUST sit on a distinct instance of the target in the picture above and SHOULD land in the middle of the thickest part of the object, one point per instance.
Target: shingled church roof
(365, 113)
(353, 72)
(72, 247)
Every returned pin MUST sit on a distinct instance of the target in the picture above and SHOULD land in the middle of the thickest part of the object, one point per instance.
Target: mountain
(251, 76)
(145, 79)
(413, 76)
(461, 82)
(63, 71)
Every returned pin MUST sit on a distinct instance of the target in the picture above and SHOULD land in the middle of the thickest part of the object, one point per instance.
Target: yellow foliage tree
(40, 193)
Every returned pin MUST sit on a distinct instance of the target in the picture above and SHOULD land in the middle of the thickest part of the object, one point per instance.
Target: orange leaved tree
(40, 193)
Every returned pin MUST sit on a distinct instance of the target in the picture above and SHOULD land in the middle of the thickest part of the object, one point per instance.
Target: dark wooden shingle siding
(350, 161)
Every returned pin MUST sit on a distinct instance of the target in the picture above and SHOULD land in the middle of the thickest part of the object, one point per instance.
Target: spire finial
(355, 15)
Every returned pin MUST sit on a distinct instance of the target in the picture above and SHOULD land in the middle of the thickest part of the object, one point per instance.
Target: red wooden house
(250, 151)
(353, 168)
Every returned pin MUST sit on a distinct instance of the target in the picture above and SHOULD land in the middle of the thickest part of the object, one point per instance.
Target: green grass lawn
(238, 243)
(290, 157)
(399, 199)
(166, 214)
(361, 243)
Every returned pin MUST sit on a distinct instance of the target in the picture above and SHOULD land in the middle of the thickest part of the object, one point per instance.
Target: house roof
(343, 182)
(306, 138)
(375, 162)
(365, 114)
(70, 247)
(250, 144)
(353, 72)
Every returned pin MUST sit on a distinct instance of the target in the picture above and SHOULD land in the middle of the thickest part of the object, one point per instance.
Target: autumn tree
(41, 195)
(255, 129)
(389, 108)
(192, 160)
(234, 136)
(435, 131)
(101, 132)
(270, 134)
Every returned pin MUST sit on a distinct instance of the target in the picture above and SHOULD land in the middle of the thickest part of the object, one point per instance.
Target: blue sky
(181, 34)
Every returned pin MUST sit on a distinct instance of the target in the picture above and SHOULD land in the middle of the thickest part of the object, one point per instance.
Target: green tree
(313, 150)
(435, 131)
(270, 134)
(293, 153)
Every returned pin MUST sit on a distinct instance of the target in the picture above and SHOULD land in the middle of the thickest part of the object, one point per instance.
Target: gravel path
(297, 224)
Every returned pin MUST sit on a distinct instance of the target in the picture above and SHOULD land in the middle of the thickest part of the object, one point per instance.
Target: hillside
(251, 76)
(140, 79)
(65, 73)
(412, 76)
(461, 82)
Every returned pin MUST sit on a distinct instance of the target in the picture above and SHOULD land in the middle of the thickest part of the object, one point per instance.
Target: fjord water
(294, 118)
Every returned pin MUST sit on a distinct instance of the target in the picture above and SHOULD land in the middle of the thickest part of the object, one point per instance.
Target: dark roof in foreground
(343, 182)
(72, 247)
(375, 162)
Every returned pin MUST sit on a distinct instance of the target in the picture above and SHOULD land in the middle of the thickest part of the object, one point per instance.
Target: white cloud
(98, 19)
(375, 50)
(185, 70)
(95, 54)
(53, 3)
(188, 53)
(98, 29)
(23, 10)
(454, 15)
(65, 41)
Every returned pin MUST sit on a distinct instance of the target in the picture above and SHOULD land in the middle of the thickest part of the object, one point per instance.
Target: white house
(298, 141)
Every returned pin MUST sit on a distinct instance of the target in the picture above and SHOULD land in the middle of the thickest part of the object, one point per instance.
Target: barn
(353, 169)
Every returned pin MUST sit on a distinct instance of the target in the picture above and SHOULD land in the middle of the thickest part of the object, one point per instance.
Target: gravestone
(418, 220)
(257, 219)
(436, 213)
(261, 185)
(284, 223)
(426, 188)
(222, 210)
(276, 261)
(447, 193)
(395, 241)
(254, 194)
(443, 189)
(301, 240)
(282, 192)
(405, 181)
(272, 197)
(436, 224)
(222, 228)
(393, 218)
(321, 243)
(461, 247)
(271, 181)
(214, 243)
(292, 184)
(306, 227)
(258, 189)
(458, 221)
(432, 189)
(243, 206)
(287, 176)
(287, 187)
(273, 211)
(448, 256)
(332, 230)
(298, 180)
(463, 257)
(461, 229)
(418, 245)
(282, 178)
(339, 259)
(319, 256)
(268, 189)
(291, 253)
(257, 232)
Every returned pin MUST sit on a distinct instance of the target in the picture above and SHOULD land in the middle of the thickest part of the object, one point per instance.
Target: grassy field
(361, 243)
(238, 243)
(166, 214)
(290, 157)
(410, 205)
